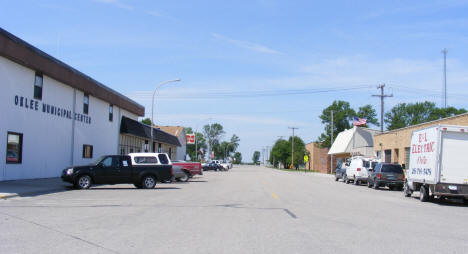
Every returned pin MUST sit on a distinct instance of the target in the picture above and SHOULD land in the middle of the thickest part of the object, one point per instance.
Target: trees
(281, 152)
(225, 148)
(406, 114)
(256, 157)
(299, 151)
(343, 116)
(237, 158)
(201, 143)
(146, 121)
(368, 112)
(213, 132)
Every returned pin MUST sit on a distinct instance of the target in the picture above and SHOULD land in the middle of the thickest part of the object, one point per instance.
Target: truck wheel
(423, 194)
(406, 190)
(83, 182)
(185, 178)
(336, 178)
(148, 182)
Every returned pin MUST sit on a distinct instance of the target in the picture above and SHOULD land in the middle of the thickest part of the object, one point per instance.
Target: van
(358, 169)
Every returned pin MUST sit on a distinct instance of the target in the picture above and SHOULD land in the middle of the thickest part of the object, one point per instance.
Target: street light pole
(152, 109)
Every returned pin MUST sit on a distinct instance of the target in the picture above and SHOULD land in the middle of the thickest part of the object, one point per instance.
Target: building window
(85, 104)
(87, 151)
(170, 153)
(146, 146)
(38, 80)
(159, 148)
(111, 113)
(387, 156)
(14, 147)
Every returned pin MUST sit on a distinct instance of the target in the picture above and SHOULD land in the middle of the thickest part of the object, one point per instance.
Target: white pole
(152, 108)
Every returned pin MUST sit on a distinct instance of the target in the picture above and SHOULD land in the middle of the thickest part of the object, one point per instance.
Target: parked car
(188, 169)
(386, 174)
(212, 166)
(358, 169)
(114, 169)
(437, 166)
(226, 165)
(340, 171)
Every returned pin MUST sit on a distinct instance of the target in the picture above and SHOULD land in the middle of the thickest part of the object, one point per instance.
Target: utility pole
(444, 51)
(292, 145)
(382, 96)
(263, 155)
(331, 142)
(267, 153)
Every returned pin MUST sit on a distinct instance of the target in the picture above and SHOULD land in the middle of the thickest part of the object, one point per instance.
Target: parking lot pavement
(249, 209)
(9, 189)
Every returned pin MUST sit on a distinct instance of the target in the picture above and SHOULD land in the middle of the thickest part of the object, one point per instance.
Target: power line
(250, 94)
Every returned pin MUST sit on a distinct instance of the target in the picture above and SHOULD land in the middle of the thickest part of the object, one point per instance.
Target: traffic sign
(190, 138)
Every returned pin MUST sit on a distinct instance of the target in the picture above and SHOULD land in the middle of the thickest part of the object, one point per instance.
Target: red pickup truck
(192, 168)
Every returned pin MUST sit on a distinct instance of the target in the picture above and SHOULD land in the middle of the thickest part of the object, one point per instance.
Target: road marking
(274, 195)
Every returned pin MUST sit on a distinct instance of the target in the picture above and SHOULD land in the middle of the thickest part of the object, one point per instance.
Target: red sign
(190, 138)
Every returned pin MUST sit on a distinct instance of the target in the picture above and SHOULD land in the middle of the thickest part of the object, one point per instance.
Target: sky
(257, 67)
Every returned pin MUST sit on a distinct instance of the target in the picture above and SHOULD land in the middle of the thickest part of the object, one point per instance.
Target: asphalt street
(249, 209)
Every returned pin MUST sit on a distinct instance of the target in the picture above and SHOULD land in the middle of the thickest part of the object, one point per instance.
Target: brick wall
(397, 141)
(318, 159)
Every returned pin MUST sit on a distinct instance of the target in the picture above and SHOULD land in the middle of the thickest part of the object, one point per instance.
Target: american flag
(359, 121)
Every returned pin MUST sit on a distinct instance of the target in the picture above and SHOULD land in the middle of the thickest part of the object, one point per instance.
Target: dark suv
(340, 171)
(386, 174)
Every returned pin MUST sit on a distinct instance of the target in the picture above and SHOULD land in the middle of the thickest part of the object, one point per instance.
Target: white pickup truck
(438, 166)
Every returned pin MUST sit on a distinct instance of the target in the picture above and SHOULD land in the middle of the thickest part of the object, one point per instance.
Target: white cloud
(116, 3)
(248, 45)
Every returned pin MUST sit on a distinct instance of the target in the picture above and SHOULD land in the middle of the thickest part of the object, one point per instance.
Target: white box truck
(438, 166)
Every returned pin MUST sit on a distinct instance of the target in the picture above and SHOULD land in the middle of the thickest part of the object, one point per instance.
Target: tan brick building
(394, 146)
(318, 158)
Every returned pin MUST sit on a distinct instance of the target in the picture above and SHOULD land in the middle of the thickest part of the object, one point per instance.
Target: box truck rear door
(454, 163)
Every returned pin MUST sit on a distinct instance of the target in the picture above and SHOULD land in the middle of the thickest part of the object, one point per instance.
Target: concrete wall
(51, 142)
(397, 140)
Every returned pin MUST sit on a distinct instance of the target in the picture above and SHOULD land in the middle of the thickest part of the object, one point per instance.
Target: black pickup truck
(114, 169)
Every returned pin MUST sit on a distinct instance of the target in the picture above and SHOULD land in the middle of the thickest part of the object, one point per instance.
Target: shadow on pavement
(32, 187)
(133, 188)
(445, 201)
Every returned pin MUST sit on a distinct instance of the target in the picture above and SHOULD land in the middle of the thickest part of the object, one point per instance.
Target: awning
(356, 140)
(130, 126)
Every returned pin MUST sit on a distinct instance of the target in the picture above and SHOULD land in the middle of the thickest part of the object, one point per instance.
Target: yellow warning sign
(306, 158)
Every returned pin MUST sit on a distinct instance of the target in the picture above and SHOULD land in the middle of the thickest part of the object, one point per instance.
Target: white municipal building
(53, 116)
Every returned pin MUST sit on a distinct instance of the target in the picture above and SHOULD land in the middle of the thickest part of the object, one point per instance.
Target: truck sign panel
(423, 159)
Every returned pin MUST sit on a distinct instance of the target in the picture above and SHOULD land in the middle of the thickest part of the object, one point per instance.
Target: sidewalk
(34, 187)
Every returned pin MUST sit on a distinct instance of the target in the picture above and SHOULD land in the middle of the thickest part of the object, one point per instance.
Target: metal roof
(136, 128)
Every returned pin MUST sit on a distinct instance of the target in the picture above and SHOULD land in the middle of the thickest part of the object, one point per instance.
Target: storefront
(357, 141)
(394, 146)
(135, 137)
(52, 115)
